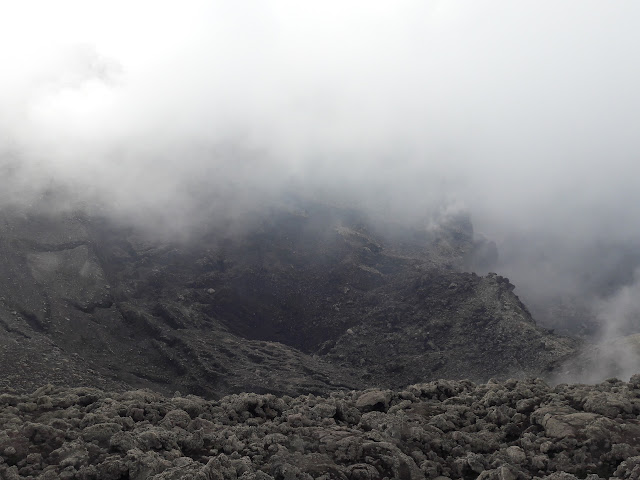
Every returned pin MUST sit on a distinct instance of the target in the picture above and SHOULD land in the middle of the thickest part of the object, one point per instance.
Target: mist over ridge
(525, 116)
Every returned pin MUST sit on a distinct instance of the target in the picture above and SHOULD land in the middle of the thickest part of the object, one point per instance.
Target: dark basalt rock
(308, 343)
(518, 429)
(305, 300)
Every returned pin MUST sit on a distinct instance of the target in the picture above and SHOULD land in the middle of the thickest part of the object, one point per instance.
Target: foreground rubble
(457, 429)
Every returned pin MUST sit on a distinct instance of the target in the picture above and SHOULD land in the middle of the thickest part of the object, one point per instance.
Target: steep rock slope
(298, 300)
(450, 325)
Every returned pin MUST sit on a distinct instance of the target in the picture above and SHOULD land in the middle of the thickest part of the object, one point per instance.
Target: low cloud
(523, 114)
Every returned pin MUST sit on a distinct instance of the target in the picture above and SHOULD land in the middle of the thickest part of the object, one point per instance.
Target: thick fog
(524, 114)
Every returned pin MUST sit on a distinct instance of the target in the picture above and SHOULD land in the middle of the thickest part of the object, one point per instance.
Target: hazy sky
(526, 113)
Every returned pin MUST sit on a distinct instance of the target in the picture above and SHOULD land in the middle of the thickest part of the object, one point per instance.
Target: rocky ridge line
(304, 301)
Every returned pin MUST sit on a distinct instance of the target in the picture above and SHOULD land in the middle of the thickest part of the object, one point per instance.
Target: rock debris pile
(518, 429)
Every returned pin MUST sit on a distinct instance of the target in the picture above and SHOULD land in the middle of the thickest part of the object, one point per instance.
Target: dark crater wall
(304, 299)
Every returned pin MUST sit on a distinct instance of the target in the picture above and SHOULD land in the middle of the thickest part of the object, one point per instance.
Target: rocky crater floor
(517, 429)
(310, 342)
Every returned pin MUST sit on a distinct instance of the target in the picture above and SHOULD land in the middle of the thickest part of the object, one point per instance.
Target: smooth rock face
(443, 429)
(73, 274)
(375, 400)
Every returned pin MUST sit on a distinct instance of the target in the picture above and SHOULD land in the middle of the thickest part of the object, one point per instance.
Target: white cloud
(525, 112)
